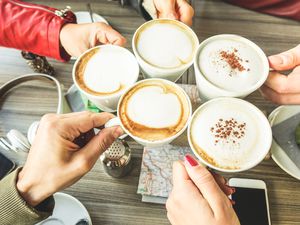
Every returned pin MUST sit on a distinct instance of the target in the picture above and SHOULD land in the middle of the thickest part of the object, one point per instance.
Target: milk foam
(218, 71)
(228, 154)
(109, 69)
(165, 45)
(162, 109)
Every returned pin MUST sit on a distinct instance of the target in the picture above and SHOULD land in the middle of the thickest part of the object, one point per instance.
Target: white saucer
(84, 17)
(278, 155)
(67, 211)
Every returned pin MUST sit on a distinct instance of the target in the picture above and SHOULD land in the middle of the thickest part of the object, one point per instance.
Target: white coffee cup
(164, 48)
(229, 134)
(148, 101)
(216, 78)
(106, 71)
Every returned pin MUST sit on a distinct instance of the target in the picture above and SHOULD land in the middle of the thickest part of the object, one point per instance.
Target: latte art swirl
(154, 110)
(105, 71)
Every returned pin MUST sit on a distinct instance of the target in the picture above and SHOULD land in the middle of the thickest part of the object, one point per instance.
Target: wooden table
(114, 201)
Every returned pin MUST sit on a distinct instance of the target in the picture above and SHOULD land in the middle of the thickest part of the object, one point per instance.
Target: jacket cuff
(55, 48)
(15, 210)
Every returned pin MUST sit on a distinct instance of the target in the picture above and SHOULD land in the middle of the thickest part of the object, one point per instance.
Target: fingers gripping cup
(229, 66)
(229, 134)
(103, 74)
(164, 48)
(153, 112)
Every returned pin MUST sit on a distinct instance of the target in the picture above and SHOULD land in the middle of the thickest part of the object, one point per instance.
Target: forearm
(15, 210)
(33, 28)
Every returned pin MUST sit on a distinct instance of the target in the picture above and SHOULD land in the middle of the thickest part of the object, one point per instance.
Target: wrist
(31, 192)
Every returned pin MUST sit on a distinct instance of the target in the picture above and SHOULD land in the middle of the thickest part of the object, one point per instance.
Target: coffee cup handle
(115, 122)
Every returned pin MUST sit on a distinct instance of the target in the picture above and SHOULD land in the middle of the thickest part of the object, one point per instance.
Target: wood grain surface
(114, 201)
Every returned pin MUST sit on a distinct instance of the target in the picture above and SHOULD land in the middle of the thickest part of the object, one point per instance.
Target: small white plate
(278, 155)
(84, 17)
(67, 211)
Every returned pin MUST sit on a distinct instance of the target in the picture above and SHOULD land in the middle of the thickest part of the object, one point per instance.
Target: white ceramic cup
(117, 122)
(208, 90)
(108, 103)
(251, 157)
(151, 71)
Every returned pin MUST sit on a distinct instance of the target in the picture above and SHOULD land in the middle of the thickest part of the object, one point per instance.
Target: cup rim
(262, 117)
(117, 94)
(160, 69)
(259, 51)
(163, 141)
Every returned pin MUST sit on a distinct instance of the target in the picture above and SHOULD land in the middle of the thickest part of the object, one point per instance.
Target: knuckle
(106, 114)
(106, 143)
(282, 89)
(49, 120)
(88, 113)
(203, 175)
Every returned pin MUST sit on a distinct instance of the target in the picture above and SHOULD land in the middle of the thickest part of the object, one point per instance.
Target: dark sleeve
(283, 8)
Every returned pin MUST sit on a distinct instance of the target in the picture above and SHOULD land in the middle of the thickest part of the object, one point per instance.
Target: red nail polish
(191, 161)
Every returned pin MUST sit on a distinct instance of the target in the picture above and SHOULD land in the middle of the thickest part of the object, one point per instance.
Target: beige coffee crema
(105, 70)
(154, 110)
(165, 44)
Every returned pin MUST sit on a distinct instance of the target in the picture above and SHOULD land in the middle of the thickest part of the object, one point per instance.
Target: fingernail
(276, 59)
(232, 202)
(190, 160)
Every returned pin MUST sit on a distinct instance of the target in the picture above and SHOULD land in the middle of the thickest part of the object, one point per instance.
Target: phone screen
(250, 206)
(5, 166)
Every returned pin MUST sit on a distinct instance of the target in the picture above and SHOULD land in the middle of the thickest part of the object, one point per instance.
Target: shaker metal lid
(117, 155)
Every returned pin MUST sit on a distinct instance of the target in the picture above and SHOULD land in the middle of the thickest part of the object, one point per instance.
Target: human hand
(279, 88)
(196, 198)
(77, 38)
(55, 161)
(175, 9)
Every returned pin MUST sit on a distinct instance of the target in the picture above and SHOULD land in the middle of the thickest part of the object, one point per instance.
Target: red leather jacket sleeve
(284, 8)
(33, 28)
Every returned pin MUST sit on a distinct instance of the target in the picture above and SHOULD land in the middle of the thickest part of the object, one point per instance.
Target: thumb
(166, 9)
(98, 144)
(206, 183)
(286, 60)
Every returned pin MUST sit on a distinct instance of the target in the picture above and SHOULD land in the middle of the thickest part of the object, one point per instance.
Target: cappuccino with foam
(154, 110)
(229, 134)
(164, 48)
(103, 73)
(229, 65)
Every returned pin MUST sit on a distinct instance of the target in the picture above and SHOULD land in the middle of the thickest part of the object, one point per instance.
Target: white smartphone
(251, 201)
